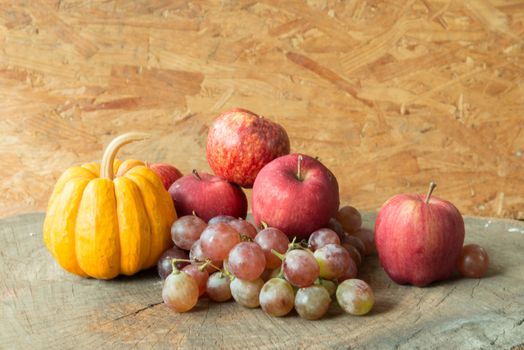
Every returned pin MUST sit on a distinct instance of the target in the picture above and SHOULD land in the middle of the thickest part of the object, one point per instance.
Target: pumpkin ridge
(61, 246)
(69, 175)
(133, 225)
(156, 212)
(96, 232)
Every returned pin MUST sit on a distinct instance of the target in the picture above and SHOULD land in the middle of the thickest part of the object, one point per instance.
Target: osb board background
(389, 94)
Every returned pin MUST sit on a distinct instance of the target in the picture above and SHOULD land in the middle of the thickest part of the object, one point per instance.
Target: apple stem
(299, 166)
(432, 187)
(196, 175)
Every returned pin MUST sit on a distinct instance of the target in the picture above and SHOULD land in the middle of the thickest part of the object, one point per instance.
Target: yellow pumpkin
(98, 225)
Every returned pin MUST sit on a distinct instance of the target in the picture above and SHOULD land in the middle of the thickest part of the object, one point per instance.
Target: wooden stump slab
(43, 306)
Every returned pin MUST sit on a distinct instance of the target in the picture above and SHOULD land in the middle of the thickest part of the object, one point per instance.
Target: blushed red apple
(296, 194)
(419, 238)
(208, 196)
(166, 172)
(240, 143)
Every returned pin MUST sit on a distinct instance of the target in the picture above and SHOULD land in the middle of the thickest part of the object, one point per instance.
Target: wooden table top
(45, 307)
(389, 94)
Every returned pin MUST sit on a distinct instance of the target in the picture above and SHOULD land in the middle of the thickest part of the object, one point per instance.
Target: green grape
(246, 293)
(312, 302)
(277, 297)
(355, 297)
(180, 291)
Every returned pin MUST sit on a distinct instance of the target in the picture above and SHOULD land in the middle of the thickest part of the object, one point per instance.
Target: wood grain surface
(389, 94)
(42, 306)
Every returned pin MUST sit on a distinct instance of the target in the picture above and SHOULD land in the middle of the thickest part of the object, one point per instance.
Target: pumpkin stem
(106, 167)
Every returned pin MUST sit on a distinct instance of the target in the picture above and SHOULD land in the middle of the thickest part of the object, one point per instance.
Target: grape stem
(264, 224)
(280, 256)
(432, 187)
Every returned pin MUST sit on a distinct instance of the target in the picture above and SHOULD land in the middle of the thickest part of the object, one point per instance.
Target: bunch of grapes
(227, 258)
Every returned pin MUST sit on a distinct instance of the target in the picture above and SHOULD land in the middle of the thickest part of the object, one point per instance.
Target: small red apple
(166, 172)
(208, 196)
(240, 143)
(296, 194)
(419, 239)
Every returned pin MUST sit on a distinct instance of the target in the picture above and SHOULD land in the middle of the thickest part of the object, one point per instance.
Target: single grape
(322, 237)
(312, 302)
(218, 288)
(368, 238)
(220, 218)
(333, 260)
(355, 297)
(336, 226)
(243, 227)
(300, 268)
(353, 252)
(217, 240)
(277, 297)
(355, 242)
(272, 238)
(200, 277)
(187, 230)
(330, 286)
(246, 293)
(197, 254)
(351, 272)
(473, 261)
(349, 218)
(247, 261)
(165, 266)
(180, 291)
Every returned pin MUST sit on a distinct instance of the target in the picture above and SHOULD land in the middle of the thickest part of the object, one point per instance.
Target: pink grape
(354, 253)
(165, 266)
(355, 297)
(197, 254)
(217, 240)
(243, 227)
(187, 230)
(200, 277)
(355, 242)
(180, 291)
(473, 261)
(312, 302)
(333, 260)
(220, 218)
(247, 261)
(368, 238)
(218, 287)
(300, 268)
(321, 237)
(351, 272)
(350, 218)
(272, 238)
(277, 297)
(336, 226)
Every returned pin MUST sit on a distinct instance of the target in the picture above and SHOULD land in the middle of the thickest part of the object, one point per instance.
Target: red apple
(166, 172)
(240, 143)
(208, 196)
(296, 194)
(419, 239)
